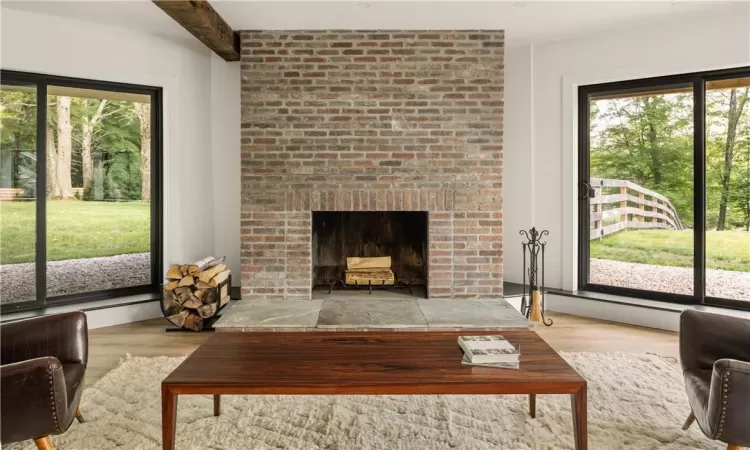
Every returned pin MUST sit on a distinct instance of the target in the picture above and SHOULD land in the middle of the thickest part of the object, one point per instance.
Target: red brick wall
(378, 121)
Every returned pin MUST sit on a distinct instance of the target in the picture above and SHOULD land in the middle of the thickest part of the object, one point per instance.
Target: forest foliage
(94, 144)
(649, 140)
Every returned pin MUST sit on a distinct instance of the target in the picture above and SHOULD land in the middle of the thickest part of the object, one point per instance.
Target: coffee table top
(365, 363)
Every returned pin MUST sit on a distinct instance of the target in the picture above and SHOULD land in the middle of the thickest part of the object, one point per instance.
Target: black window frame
(698, 81)
(41, 82)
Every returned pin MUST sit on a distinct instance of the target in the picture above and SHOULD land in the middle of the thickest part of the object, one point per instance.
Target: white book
(489, 349)
(503, 365)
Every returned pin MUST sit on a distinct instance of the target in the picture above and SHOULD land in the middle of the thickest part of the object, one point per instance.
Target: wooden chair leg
(43, 443)
(689, 421)
(733, 447)
(79, 416)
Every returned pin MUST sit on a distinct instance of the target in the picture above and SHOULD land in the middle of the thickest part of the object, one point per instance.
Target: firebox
(400, 235)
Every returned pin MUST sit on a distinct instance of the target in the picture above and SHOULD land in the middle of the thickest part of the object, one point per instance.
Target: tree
(116, 154)
(736, 106)
(93, 112)
(742, 192)
(646, 140)
(87, 139)
(143, 111)
(53, 188)
(64, 149)
(18, 139)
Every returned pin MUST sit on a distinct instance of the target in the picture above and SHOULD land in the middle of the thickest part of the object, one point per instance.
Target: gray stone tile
(471, 314)
(271, 314)
(371, 313)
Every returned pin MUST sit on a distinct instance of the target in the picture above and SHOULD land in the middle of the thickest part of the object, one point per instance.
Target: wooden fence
(17, 194)
(619, 204)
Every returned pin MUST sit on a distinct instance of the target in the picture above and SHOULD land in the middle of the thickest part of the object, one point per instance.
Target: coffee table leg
(580, 418)
(168, 417)
(532, 405)
(217, 405)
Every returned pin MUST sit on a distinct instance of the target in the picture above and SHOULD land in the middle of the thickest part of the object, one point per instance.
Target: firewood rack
(209, 322)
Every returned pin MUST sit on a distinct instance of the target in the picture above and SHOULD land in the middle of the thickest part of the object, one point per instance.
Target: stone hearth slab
(271, 314)
(371, 313)
(471, 314)
(321, 293)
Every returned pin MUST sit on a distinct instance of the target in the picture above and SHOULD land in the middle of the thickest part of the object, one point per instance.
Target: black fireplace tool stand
(533, 248)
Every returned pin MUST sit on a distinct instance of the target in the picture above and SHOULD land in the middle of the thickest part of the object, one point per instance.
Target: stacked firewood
(369, 271)
(195, 292)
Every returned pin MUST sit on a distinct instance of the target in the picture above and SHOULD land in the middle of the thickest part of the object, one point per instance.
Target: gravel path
(17, 281)
(676, 280)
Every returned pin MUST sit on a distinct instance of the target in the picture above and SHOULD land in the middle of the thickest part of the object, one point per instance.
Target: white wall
(103, 313)
(518, 142)
(192, 105)
(225, 142)
(714, 40)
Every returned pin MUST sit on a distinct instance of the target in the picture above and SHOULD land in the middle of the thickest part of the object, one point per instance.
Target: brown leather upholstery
(715, 355)
(42, 367)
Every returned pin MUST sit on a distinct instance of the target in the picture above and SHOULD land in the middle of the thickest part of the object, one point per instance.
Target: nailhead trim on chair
(725, 395)
(52, 399)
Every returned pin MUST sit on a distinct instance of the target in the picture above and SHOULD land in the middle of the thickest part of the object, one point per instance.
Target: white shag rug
(635, 402)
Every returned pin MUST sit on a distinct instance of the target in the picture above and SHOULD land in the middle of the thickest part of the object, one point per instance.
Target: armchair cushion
(34, 399)
(698, 387)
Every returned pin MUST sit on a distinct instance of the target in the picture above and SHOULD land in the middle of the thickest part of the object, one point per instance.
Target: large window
(80, 190)
(665, 188)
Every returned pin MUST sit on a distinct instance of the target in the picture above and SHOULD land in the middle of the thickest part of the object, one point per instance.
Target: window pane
(641, 172)
(728, 189)
(98, 190)
(17, 194)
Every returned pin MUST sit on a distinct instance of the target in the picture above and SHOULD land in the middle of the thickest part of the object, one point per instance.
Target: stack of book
(489, 351)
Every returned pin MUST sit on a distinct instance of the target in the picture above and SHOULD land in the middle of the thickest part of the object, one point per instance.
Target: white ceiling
(525, 22)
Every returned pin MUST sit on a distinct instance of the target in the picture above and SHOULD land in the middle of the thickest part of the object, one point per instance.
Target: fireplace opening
(399, 235)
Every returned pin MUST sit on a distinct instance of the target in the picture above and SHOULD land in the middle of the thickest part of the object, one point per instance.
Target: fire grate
(340, 284)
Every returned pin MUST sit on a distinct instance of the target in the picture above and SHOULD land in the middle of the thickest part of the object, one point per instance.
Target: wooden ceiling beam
(203, 22)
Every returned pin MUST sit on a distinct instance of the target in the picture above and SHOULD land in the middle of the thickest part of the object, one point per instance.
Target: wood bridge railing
(631, 207)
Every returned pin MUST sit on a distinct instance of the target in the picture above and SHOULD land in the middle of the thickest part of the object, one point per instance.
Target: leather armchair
(715, 355)
(42, 367)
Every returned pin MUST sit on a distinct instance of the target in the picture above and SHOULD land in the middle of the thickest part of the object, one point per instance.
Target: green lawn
(75, 229)
(728, 250)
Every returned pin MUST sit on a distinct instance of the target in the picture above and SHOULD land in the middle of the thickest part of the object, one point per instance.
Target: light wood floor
(569, 333)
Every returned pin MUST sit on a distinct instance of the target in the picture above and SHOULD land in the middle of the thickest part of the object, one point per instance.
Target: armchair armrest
(34, 400)
(729, 402)
(706, 338)
(64, 336)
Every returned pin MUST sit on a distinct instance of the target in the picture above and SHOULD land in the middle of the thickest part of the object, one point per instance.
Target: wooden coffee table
(365, 363)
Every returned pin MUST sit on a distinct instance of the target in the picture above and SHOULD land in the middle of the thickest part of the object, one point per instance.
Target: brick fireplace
(372, 121)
